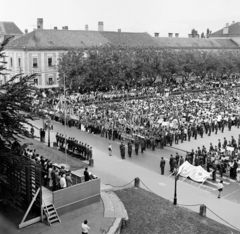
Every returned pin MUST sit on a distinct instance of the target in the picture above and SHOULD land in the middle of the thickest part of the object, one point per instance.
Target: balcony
(50, 83)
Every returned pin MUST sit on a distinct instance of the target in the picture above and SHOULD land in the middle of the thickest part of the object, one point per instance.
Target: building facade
(38, 52)
(41, 63)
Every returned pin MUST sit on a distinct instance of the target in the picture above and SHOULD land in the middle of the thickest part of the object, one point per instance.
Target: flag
(196, 173)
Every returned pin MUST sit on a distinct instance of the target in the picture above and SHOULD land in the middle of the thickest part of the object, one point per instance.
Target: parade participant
(171, 163)
(130, 149)
(189, 132)
(162, 165)
(177, 158)
(142, 146)
(122, 150)
(220, 188)
(181, 161)
(136, 146)
(219, 144)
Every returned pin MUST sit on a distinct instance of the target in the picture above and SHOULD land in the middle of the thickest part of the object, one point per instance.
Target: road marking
(231, 193)
(162, 184)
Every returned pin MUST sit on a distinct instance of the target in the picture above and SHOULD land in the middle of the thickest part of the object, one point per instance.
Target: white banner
(197, 174)
(230, 148)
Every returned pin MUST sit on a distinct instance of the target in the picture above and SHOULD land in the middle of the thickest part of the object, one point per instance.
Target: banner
(230, 148)
(197, 174)
(127, 136)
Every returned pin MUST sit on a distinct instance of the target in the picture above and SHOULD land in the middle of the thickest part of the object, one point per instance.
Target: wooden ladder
(51, 214)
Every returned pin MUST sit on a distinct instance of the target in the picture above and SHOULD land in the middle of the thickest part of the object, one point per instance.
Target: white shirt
(63, 182)
(85, 228)
(220, 185)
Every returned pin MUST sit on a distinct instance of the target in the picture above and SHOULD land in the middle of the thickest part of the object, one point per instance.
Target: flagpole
(65, 122)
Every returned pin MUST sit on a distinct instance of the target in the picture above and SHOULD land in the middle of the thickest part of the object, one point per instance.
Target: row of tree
(110, 66)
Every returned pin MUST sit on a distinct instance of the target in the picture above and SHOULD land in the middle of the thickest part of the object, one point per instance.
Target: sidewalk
(70, 222)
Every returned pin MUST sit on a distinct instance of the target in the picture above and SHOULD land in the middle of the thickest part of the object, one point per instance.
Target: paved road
(113, 170)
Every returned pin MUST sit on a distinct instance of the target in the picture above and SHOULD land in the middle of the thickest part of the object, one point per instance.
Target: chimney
(170, 34)
(225, 29)
(119, 30)
(55, 28)
(176, 34)
(86, 27)
(39, 23)
(190, 35)
(26, 31)
(156, 34)
(233, 22)
(100, 26)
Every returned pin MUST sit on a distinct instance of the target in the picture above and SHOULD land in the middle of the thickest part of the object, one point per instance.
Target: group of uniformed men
(138, 142)
(79, 149)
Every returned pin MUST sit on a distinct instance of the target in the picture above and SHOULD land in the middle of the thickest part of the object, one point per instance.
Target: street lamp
(175, 187)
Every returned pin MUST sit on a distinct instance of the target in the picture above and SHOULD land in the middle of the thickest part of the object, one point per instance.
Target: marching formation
(79, 149)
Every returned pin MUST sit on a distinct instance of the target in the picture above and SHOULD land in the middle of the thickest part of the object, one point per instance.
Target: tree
(16, 99)
(202, 35)
(194, 32)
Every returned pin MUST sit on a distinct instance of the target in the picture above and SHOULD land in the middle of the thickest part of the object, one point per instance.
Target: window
(50, 63)
(50, 80)
(11, 62)
(19, 62)
(35, 62)
(35, 81)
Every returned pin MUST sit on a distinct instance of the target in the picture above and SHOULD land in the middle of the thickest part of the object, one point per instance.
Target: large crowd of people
(160, 118)
(223, 157)
(173, 85)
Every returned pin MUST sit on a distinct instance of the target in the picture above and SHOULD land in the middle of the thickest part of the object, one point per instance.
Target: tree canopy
(16, 99)
(113, 66)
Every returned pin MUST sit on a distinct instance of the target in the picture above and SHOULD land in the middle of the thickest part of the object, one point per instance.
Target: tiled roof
(198, 43)
(73, 39)
(227, 43)
(58, 40)
(236, 40)
(69, 39)
(233, 30)
(9, 28)
(130, 39)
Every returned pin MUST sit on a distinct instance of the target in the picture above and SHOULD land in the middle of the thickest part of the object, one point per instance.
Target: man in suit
(122, 150)
(129, 149)
(86, 174)
(162, 165)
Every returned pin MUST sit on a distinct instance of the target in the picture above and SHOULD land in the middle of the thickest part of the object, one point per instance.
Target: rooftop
(233, 31)
(9, 28)
(198, 43)
(72, 39)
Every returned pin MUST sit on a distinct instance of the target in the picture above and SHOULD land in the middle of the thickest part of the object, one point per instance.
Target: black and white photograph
(120, 117)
